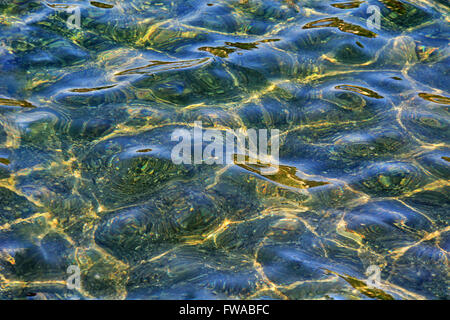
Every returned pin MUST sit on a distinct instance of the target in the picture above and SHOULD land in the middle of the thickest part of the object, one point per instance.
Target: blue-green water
(86, 180)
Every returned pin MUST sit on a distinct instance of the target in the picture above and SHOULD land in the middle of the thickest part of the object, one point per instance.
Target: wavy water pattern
(86, 178)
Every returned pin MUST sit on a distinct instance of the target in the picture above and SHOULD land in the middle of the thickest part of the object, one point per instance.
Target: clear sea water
(87, 109)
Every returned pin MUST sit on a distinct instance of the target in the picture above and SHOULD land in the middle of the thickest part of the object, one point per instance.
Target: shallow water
(86, 177)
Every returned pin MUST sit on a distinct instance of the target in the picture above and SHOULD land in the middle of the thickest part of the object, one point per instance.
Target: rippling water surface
(86, 177)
